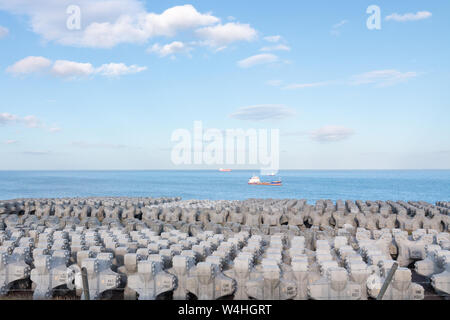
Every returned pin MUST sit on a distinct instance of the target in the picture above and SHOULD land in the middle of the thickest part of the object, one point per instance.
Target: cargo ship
(225, 170)
(256, 181)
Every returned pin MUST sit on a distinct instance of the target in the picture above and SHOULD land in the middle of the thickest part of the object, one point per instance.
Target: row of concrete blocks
(302, 219)
(148, 278)
(443, 204)
(61, 206)
(267, 205)
(337, 219)
(192, 229)
(46, 206)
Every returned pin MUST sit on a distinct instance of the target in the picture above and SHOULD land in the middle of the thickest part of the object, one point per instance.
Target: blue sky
(109, 96)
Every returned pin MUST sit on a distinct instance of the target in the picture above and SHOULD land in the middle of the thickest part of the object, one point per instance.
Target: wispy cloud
(32, 122)
(169, 49)
(331, 134)
(107, 23)
(421, 15)
(28, 65)
(222, 35)
(94, 145)
(326, 134)
(70, 69)
(378, 78)
(29, 121)
(335, 29)
(3, 32)
(273, 39)
(294, 133)
(55, 129)
(382, 78)
(11, 142)
(307, 85)
(7, 118)
(274, 83)
(118, 69)
(258, 59)
(263, 112)
(278, 47)
(37, 153)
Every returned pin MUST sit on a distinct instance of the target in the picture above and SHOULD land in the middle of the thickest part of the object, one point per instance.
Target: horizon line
(217, 170)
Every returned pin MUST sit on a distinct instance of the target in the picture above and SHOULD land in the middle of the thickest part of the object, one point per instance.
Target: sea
(406, 185)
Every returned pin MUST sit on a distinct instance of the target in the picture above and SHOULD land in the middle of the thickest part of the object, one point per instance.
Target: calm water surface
(429, 185)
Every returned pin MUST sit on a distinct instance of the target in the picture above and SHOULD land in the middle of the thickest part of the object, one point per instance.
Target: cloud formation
(91, 145)
(278, 47)
(382, 78)
(272, 39)
(306, 85)
(274, 83)
(7, 118)
(30, 121)
(70, 69)
(331, 134)
(169, 49)
(257, 59)
(108, 23)
(36, 153)
(335, 30)
(11, 141)
(379, 78)
(421, 15)
(263, 112)
(54, 129)
(118, 69)
(29, 64)
(223, 34)
(3, 32)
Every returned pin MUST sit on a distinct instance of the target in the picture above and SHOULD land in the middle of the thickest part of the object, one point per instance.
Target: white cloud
(30, 121)
(29, 65)
(263, 112)
(274, 83)
(223, 34)
(118, 69)
(340, 24)
(279, 47)
(382, 78)
(331, 134)
(37, 153)
(91, 145)
(379, 78)
(7, 118)
(71, 69)
(335, 29)
(139, 28)
(257, 59)
(106, 23)
(11, 141)
(306, 85)
(55, 129)
(421, 15)
(169, 49)
(3, 32)
(272, 39)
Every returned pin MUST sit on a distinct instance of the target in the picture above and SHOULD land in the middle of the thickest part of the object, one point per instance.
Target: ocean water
(427, 185)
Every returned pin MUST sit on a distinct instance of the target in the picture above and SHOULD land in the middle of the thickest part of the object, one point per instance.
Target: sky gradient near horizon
(109, 95)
